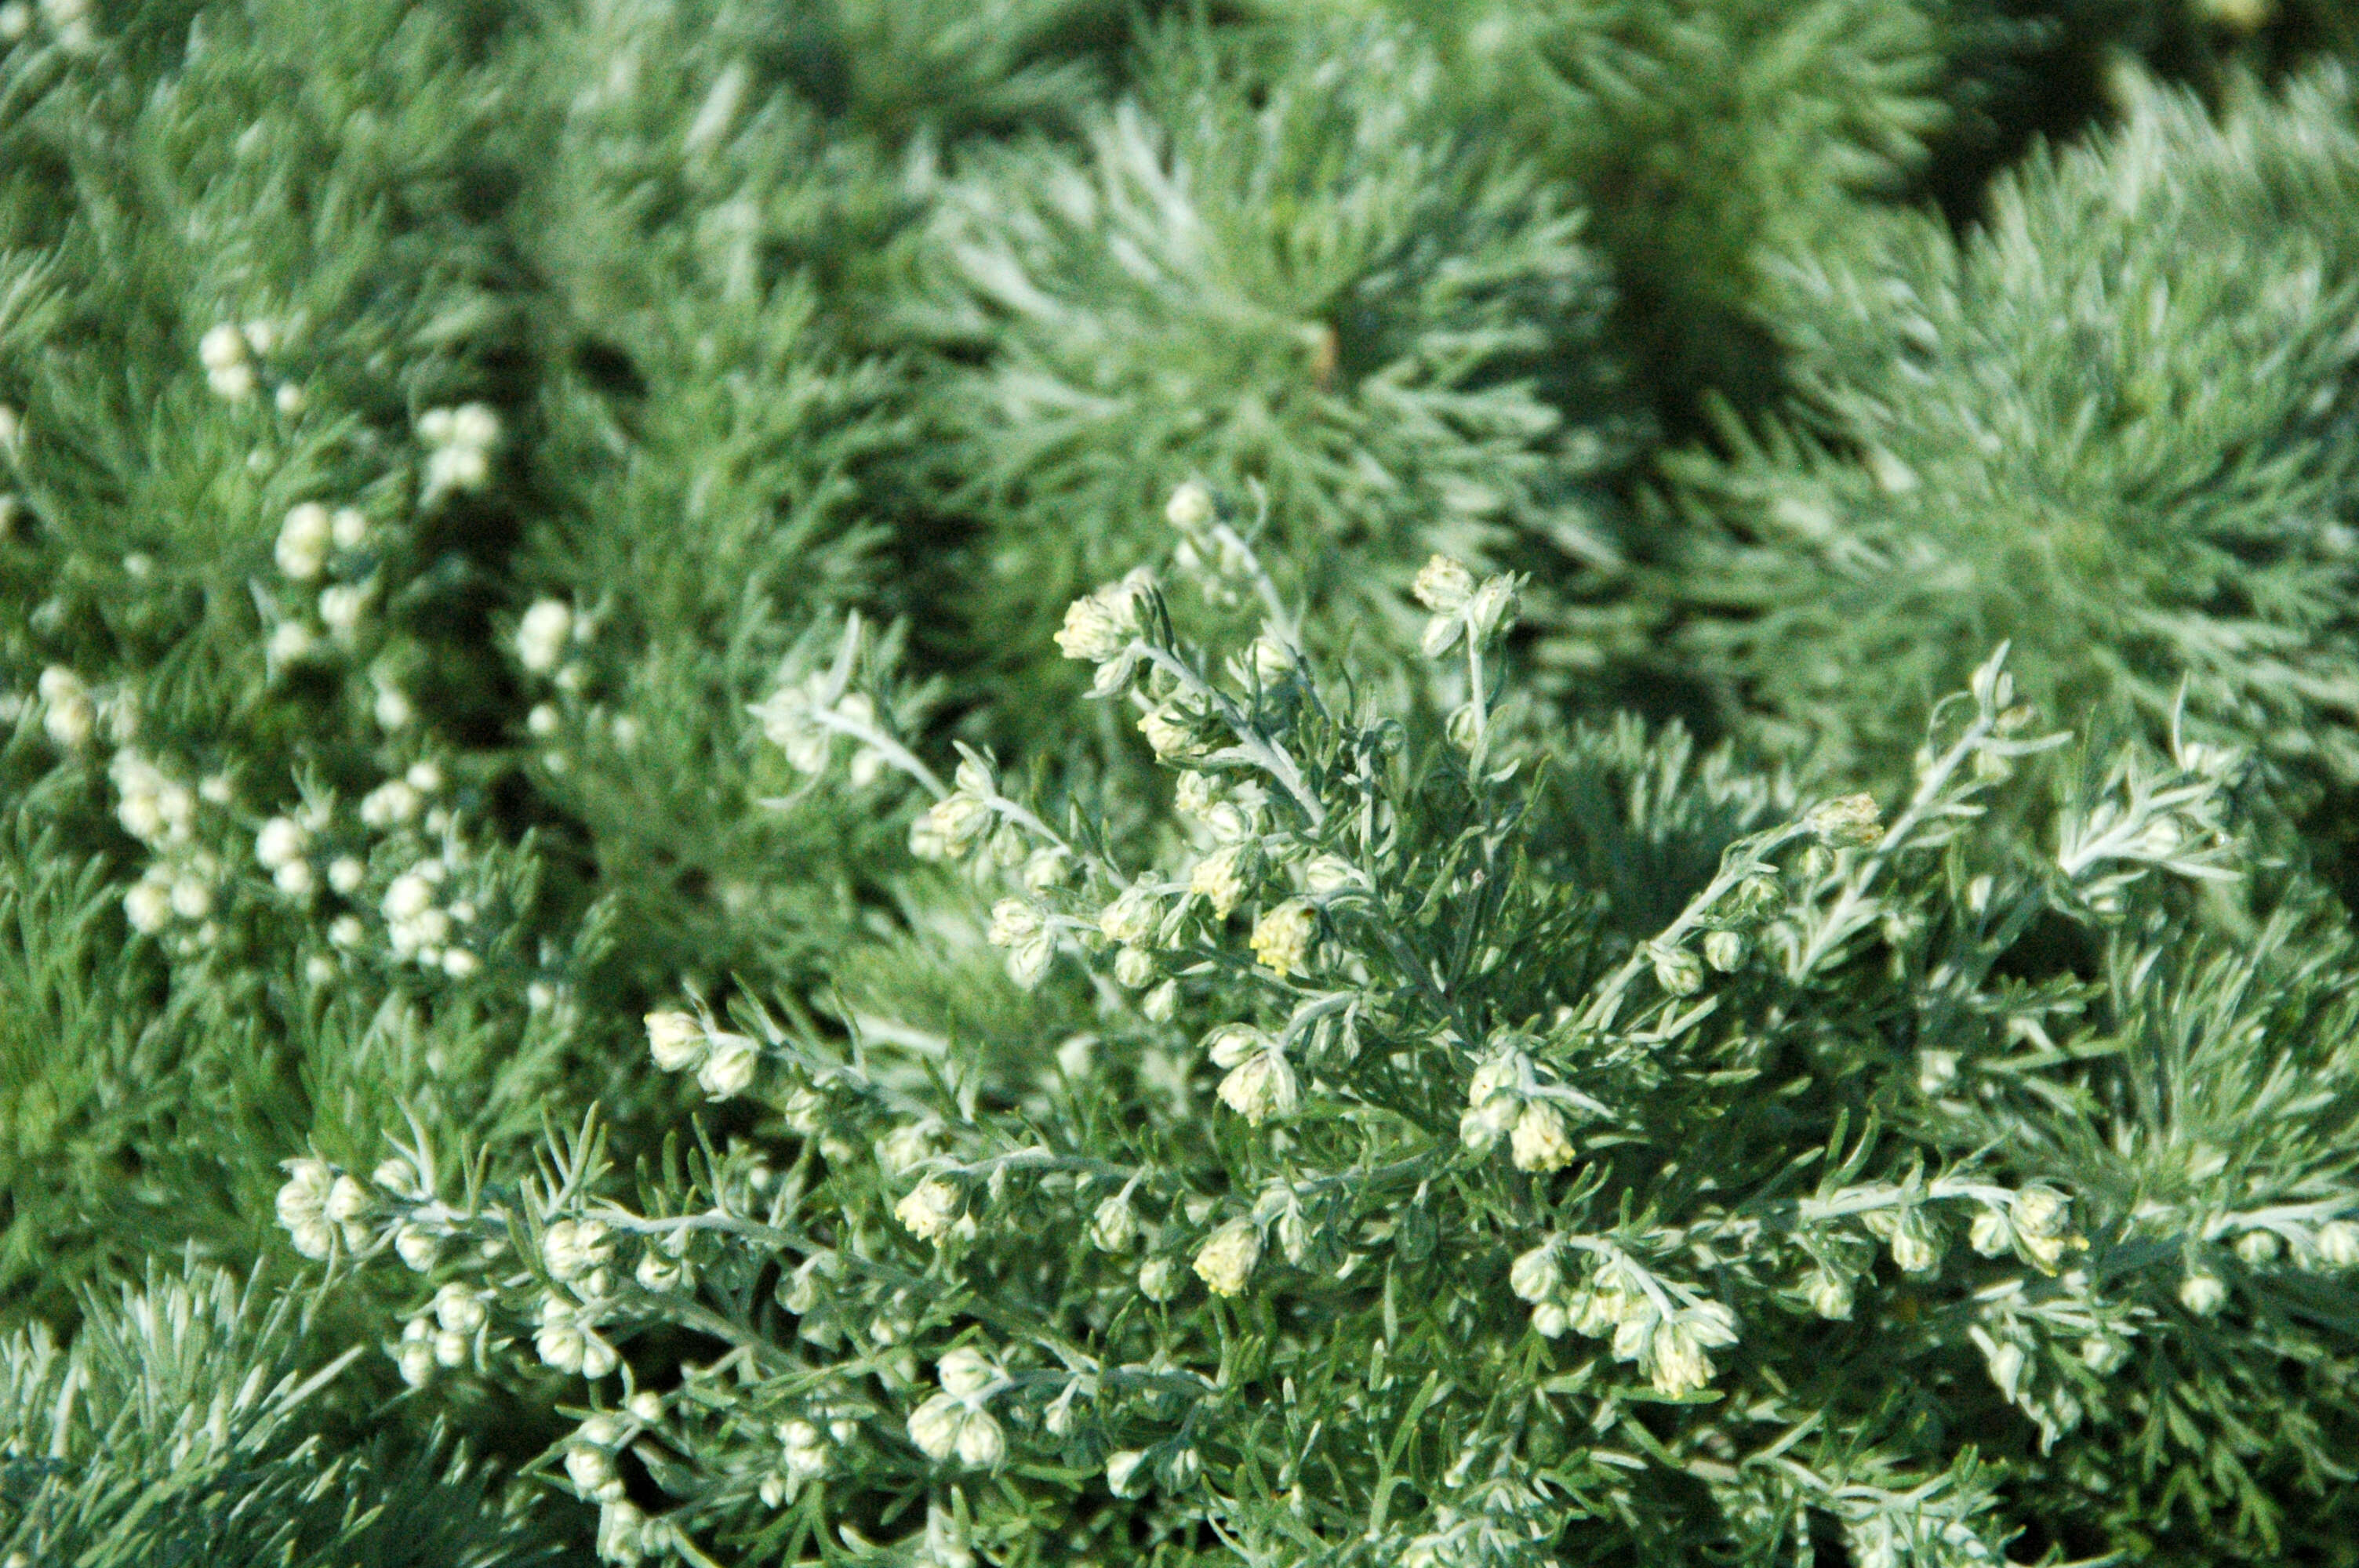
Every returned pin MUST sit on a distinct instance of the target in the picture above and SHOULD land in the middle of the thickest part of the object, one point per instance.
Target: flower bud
(932, 1208)
(1260, 1086)
(1492, 609)
(1227, 1257)
(1443, 586)
(303, 541)
(1725, 950)
(2103, 1354)
(1114, 1227)
(1123, 1472)
(1281, 938)
(2338, 1243)
(1848, 822)
(418, 1248)
(1542, 1140)
(1536, 1276)
(729, 1070)
(1159, 1279)
(1829, 1294)
(1190, 507)
(675, 1040)
(1677, 970)
(542, 633)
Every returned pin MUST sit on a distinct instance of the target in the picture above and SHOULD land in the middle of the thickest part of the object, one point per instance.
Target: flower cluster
(458, 447)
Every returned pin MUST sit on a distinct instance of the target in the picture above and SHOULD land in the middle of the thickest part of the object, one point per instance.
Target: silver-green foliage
(2112, 423)
(1280, 263)
(1384, 1193)
(172, 1429)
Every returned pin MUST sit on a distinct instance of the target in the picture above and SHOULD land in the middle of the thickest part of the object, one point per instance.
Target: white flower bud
(728, 1071)
(806, 1449)
(1492, 609)
(542, 633)
(1227, 1257)
(1159, 1279)
(304, 1197)
(1677, 970)
(303, 541)
(147, 906)
(2103, 1355)
(1190, 508)
(1848, 822)
(1535, 1275)
(1443, 586)
(1481, 1127)
(2338, 1243)
(340, 609)
(1134, 968)
(1122, 1473)
(417, 1249)
(1114, 1227)
(572, 1248)
(1012, 921)
(409, 896)
(1273, 660)
(1130, 918)
(69, 715)
(2257, 1249)
(966, 1372)
(1913, 1248)
(1260, 1086)
(415, 1359)
(459, 1310)
(221, 347)
(1281, 938)
(1220, 879)
(1829, 1294)
(2039, 1211)
(450, 1350)
(1098, 626)
(930, 1209)
(1991, 1233)
(1725, 950)
(1542, 1140)
(347, 1200)
(675, 1040)
(1680, 1366)
(658, 1274)
(292, 643)
(589, 1469)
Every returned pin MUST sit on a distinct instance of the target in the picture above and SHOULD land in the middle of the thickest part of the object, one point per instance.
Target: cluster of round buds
(447, 1335)
(955, 1422)
(954, 825)
(1669, 1342)
(459, 444)
(1505, 1099)
(1223, 877)
(724, 1061)
(566, 1340)
(228, 352)
(1208, 551)
(1103, 628)
(2035, 1223)
(1231, 813)
(421, 927)
(69, 713)
(1461, 607)
(1260, 1082)
(1227, 1259)
(311, 531)
(1018, 925)
(1915, 1241)
(319, 1205)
